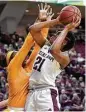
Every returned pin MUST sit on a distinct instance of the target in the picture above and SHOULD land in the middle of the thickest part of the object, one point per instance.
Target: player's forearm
(32, 57)
(46, 24)
(56, 46)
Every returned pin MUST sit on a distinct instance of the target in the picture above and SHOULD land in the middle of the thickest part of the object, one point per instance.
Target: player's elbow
(32, 31)
(34, 28)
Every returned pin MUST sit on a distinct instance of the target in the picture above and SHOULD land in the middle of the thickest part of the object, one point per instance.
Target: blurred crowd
(71, 92)
(70, 83)
(10, 42)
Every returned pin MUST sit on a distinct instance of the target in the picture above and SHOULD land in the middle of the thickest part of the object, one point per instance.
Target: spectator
(72, 52)
(1, 74)
(7, 90)
(77, 106)
(1, 96)
(2, 81)
(5, 47)
(80, 79)
(10, 47)
(16, 46)
(64, 100)
(20, 42)
(74, 82)
(80, 58)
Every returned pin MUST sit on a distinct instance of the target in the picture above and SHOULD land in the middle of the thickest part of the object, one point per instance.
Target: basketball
(69, 14)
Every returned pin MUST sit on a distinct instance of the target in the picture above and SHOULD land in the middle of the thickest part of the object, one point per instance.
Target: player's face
(64, 42)
(52, 38)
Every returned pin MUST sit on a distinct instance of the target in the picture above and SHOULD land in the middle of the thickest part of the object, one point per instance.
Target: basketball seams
(73, 7)
(70, 11)
(77, 11)
(67, 17)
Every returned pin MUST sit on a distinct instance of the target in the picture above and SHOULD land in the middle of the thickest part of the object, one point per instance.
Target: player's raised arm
(43, 16)
(61, 41)
(35, 29)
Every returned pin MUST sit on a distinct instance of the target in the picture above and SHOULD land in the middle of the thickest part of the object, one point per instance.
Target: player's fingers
(45, 6)
(78, 23)
(74, 22)
(50, 12)
(42, 6)
(78, 19)
(73, 19)
(39, 7)
(52, 15)
(48, 7)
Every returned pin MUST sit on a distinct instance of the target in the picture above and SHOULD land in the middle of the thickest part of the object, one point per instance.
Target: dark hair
(70, 42)
(12, 55)
(3, 62)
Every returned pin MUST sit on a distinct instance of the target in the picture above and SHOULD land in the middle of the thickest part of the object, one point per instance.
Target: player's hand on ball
(43, 11)
(78, 20)
(58, 18)
(73, 25)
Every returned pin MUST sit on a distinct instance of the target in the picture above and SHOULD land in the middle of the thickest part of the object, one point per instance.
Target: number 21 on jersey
(38, 64)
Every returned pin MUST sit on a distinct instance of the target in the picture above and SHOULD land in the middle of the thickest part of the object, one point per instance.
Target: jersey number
(38, 64)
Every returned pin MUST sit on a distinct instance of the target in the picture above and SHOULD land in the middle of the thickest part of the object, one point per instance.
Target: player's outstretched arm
(46, 24)
(44, 14)
(56, 47)
(36, 29)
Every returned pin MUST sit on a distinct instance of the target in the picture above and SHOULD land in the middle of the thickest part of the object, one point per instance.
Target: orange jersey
(18, 77)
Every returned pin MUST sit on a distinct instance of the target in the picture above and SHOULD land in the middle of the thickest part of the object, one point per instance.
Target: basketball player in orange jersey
(18, 76)
(49, 62)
